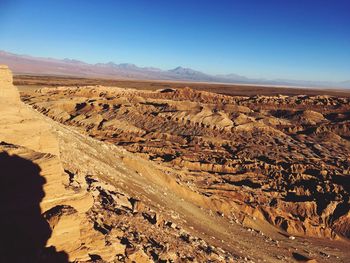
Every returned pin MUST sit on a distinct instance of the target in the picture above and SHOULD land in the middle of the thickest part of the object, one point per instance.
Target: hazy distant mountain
(74, 61)
(345, 83)
(186, 72)
(232, 76)
(24, 64)
(189, 74)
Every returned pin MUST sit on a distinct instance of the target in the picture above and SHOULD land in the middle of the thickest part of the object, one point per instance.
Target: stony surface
(200, 178)
(27, 138)
(282, 159)
(59, 207)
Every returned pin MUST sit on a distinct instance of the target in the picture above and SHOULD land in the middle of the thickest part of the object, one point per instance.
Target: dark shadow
(300, 257)
(244, 182)
(23, 230)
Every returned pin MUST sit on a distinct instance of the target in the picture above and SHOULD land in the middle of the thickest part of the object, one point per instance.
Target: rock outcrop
(8, 93)
(27, 139)
(282, 158)
(58, 204)
(175, 176)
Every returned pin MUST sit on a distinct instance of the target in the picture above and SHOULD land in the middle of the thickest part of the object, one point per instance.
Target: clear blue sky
(295, 39)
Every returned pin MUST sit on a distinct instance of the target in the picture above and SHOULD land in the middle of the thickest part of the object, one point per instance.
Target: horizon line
(325, 82)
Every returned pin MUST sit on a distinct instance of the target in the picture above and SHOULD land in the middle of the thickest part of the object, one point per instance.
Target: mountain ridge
(26, 64)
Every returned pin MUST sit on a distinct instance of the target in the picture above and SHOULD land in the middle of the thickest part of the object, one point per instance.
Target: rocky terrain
(105, 174)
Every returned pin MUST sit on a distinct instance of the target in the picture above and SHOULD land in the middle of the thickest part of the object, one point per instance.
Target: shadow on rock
(23, 230)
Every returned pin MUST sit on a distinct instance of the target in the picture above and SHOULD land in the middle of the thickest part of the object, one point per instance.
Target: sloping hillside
(71, 197)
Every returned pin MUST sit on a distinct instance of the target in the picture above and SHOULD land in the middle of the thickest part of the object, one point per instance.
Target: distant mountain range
(24, 64)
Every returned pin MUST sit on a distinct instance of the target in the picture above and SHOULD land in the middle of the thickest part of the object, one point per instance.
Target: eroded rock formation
(59, 205)
(285, 159)
(202, 177)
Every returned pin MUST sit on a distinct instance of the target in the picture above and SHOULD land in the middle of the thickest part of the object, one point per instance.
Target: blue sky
(294, 39)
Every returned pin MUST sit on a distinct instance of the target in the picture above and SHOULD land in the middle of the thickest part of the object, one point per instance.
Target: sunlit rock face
(172, 175)
(37, 193)
(8, 93)
(271, 156)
